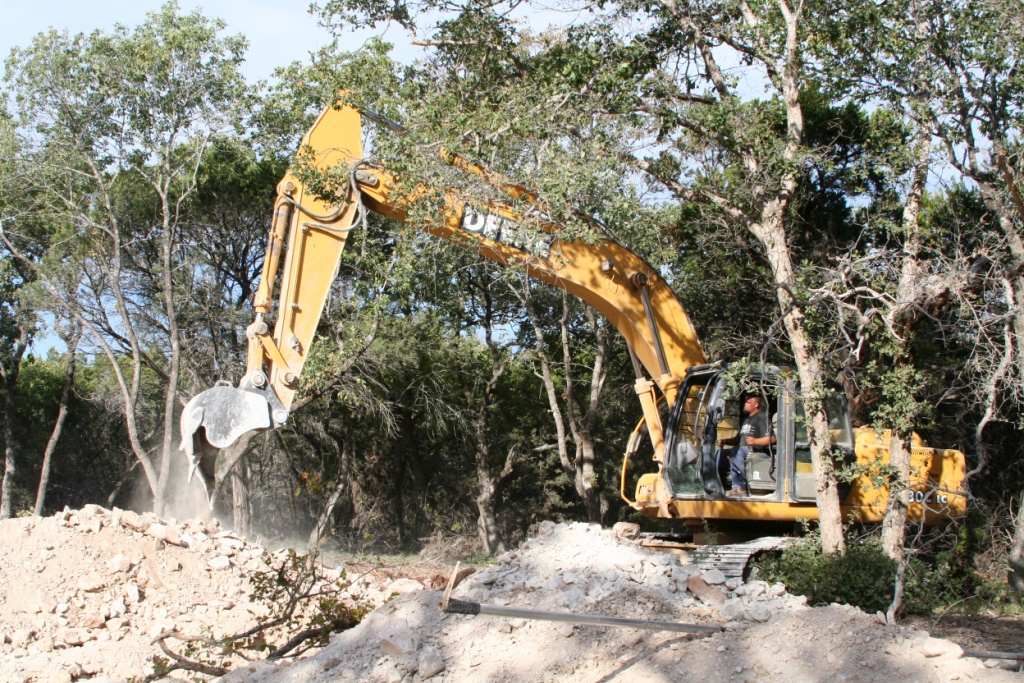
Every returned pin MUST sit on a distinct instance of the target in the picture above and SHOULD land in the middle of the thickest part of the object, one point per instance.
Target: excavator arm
(309, 235)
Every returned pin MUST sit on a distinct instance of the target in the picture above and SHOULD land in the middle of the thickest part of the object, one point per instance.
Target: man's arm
(760, 441)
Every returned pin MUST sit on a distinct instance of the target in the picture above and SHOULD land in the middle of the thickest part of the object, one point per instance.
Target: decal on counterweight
(506, 231)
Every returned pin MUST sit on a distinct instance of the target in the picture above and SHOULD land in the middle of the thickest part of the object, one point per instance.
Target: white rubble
(768, 635)
(89, 589)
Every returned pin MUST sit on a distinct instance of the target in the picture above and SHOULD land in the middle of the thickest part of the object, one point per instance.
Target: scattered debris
(90, 588)
(770, 635)
(83, 593)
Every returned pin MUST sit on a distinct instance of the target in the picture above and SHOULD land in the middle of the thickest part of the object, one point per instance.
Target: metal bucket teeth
(216, 419)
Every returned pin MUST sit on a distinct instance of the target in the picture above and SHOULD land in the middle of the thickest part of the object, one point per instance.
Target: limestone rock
(732, 608)
(94, 620)
(402, 586)
(706, 593)
(44, 644)
(938, 647)
(119, 563)
(72, 637)
(132, 521)
(758, 613)
(91, 584)
(626, 530)
(1004, 664)
(429, 662)
(165, 533)
(713, 577)
(21, 637)
(219, 562)
(398, 640)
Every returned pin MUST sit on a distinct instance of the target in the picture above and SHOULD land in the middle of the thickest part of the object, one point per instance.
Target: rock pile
(768, 634)
(83, 593)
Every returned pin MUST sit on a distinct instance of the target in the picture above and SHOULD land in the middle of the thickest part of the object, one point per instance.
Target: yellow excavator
(689, 405)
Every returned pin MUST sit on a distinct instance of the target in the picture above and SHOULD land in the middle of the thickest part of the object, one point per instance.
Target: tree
(977, 116)
(71, 340)
(581, 468)
(17, 313)
(763, 148)
(121, 122)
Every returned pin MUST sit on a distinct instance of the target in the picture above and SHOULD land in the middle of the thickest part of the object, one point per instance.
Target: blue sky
(278, 32)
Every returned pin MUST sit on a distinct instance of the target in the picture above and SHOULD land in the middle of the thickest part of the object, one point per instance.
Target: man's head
(752, 405)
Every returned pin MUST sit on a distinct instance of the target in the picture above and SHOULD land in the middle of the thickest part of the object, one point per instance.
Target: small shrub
(863, 577)
(304, 609)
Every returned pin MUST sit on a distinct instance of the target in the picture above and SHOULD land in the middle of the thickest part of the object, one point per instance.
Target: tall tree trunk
(51, 444)
(581, 469)
(1016, 575)
(398, 495)
(766, 221)
(168, 447)
(10, 460)
(770, 230)
(772, 235)
(894, 523)
(479, 398)
(908, 295)
(241, 510)
(587, 486)
(9, 372)
(487, 520)
(323, 522)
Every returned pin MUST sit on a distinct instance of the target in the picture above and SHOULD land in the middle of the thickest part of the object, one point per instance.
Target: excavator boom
(309, 234)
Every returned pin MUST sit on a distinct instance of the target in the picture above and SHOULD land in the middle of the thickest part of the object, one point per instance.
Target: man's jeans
(737, 465)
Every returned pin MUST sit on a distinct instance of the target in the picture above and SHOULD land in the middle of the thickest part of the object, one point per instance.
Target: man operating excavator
(754, 436)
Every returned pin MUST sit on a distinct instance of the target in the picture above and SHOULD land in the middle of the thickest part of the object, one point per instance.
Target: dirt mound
(769, 635)
(83, 593)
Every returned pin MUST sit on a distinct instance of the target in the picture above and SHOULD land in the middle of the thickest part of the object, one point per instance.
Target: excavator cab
(709, 410)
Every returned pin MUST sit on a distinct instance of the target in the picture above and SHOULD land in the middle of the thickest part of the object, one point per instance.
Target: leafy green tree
(122, 121)
(18, 315)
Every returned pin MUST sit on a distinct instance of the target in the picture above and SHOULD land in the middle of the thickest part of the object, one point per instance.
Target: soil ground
(83, 593)
(985, 633)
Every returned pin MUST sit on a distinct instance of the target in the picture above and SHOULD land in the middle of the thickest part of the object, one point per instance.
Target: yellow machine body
(309, 236)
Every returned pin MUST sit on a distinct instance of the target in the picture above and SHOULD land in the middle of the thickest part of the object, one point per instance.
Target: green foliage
(865, 576)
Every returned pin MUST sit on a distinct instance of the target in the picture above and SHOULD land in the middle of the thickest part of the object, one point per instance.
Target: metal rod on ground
(464, 607)
(984, 654)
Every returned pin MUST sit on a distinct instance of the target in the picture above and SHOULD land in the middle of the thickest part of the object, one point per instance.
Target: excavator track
(730, 559)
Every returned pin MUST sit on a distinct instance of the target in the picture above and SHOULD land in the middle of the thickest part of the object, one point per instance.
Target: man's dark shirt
(757, 427)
